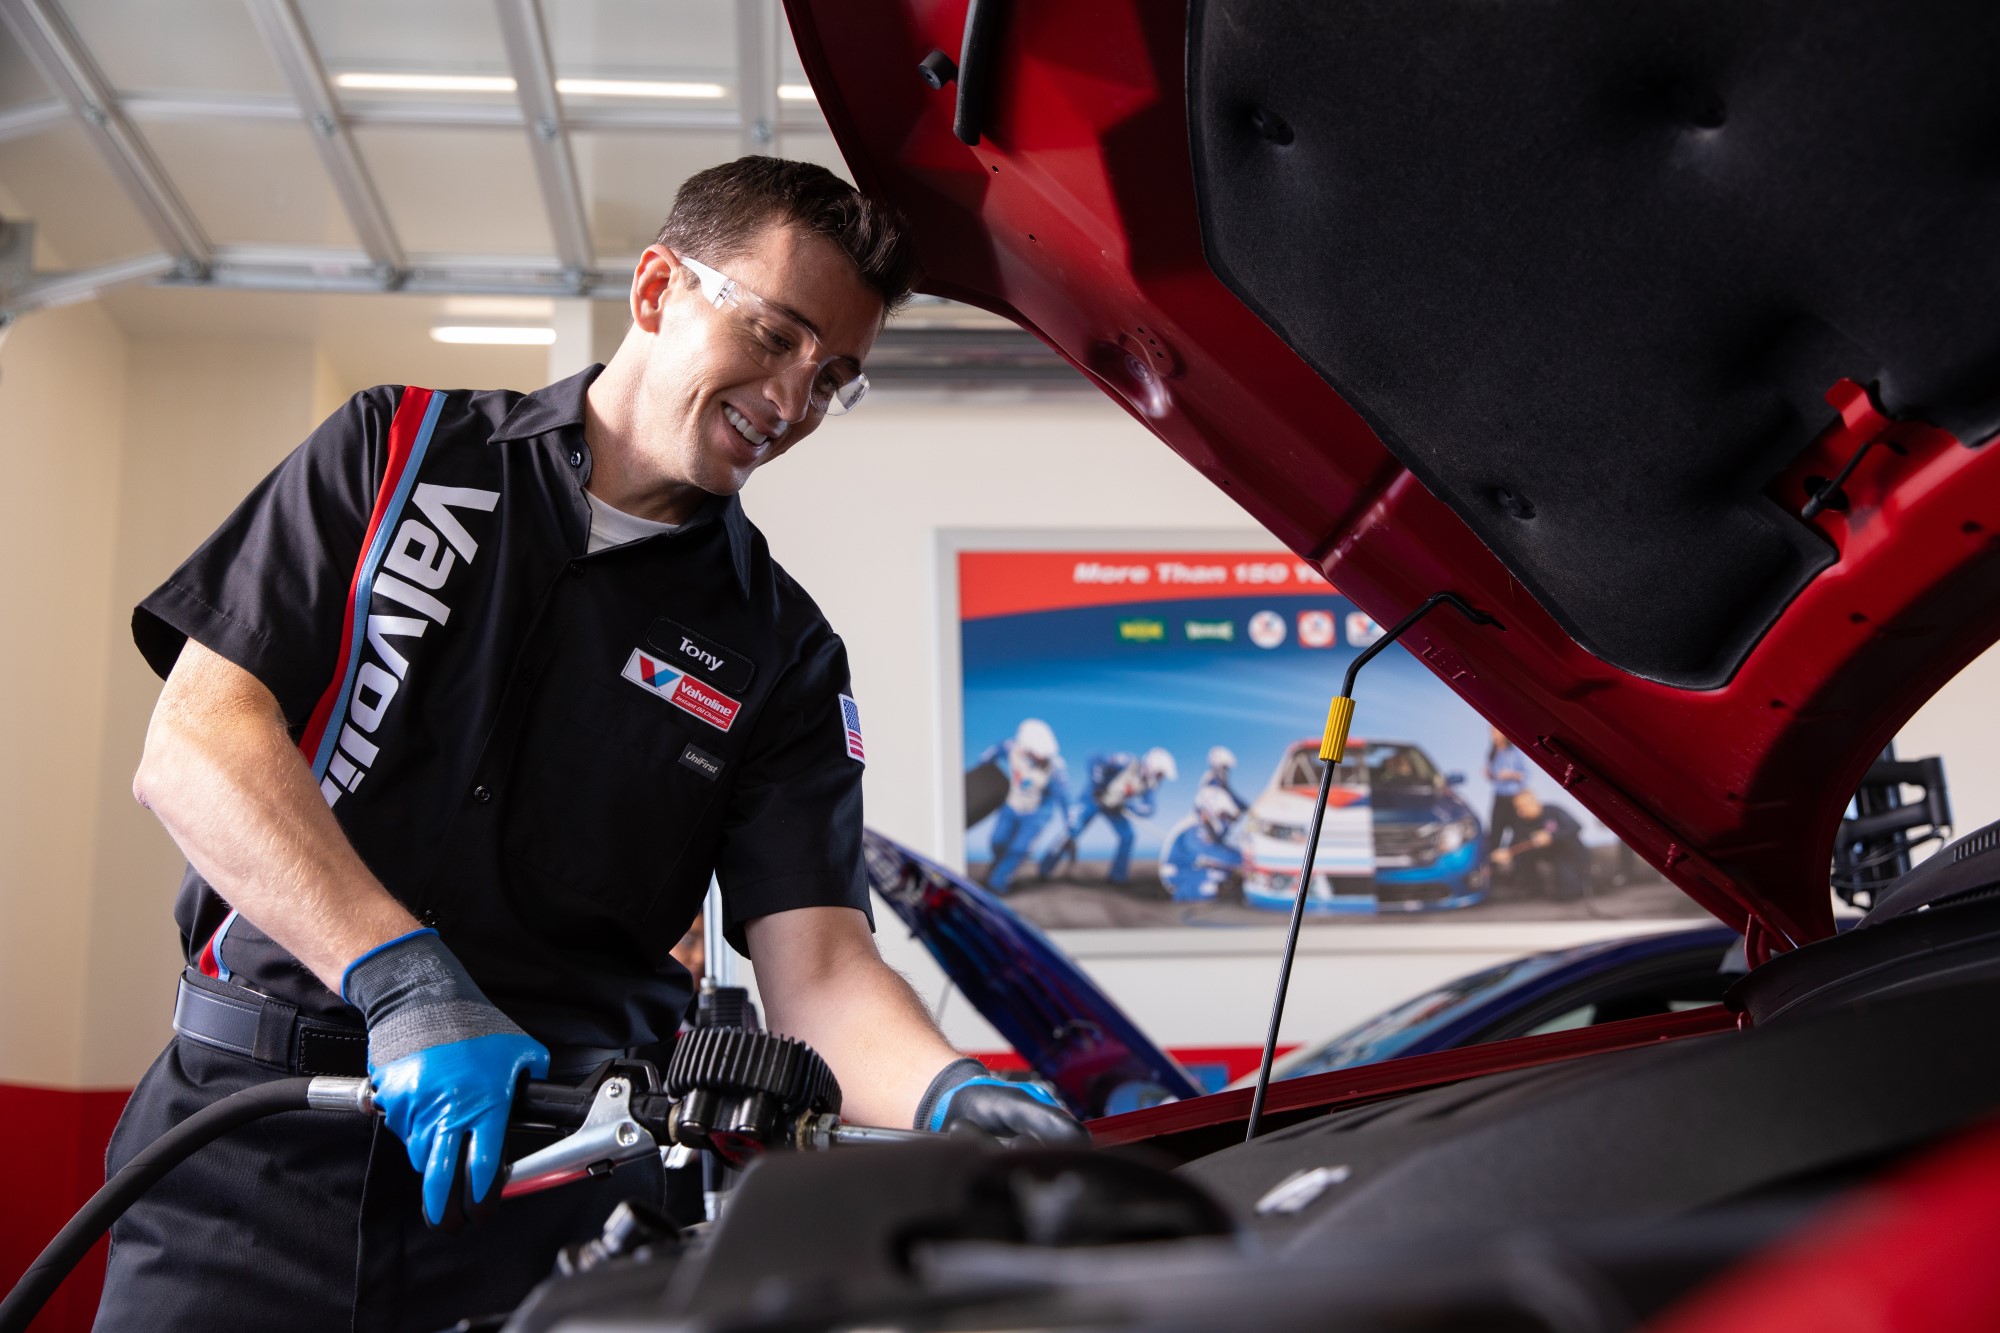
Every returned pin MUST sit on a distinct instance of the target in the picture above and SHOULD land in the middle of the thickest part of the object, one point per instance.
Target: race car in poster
(1397, 836)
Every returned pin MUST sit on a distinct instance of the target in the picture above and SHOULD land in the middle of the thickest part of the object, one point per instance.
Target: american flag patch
(850, 718)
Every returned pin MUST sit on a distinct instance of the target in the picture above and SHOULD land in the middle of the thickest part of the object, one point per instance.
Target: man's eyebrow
(811, 327)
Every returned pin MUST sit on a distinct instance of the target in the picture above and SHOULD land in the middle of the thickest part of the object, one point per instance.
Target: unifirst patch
(654, 675)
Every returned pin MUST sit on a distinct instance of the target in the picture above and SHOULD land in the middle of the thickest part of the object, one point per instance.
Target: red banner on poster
(1004, 583)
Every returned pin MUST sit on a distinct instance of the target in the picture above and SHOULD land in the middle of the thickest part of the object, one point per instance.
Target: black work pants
(1502, 819)
(312, 1221)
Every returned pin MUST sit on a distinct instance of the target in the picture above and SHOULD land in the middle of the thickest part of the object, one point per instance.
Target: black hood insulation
(1588, 270)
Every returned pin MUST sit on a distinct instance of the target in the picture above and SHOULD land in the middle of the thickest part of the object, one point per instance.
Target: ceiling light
(493, 335)
(425, 83)
(500, 307)
(636, 88)
(796, 92)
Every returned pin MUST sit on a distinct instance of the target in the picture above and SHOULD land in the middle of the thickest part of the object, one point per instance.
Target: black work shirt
(1565, 834)
(544, 753)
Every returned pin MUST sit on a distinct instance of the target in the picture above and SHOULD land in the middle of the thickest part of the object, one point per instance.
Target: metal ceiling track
(917, 357)
(548, 137)
(184, 107)
(291, 45)
(757, 76)
(60, 57)
(912, 357)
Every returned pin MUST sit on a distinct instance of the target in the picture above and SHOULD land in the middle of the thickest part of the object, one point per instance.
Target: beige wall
(62, 391)
(125, 454)
(205, 419)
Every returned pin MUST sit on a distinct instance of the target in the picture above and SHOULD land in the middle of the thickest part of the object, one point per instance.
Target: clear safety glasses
(781, 343)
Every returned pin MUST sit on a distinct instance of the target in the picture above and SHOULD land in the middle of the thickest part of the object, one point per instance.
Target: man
(463, 706)
(1548, 843)
(1120, 786)
(1036, 792)
(1221, 767)
(1507, 770)
(1195, 857)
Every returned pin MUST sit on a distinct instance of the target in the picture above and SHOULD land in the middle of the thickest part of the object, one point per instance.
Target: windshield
(1386, 1035)
(1365, 765)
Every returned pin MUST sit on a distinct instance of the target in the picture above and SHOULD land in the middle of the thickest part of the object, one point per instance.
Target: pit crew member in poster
(1547, 842)
(1221, 767)
(1197, 859)
(1507, 770)
(1036, 793)
(1120, 786)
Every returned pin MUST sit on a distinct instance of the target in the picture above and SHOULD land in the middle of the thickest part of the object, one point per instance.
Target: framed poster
(1132, 733)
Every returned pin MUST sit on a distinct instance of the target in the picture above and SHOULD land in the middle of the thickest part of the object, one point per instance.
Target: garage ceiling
(370, 159)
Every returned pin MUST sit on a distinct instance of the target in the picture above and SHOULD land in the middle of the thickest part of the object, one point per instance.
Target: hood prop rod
(1332, 748)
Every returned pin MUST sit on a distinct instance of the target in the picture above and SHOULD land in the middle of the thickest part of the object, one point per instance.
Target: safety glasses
(780, 343)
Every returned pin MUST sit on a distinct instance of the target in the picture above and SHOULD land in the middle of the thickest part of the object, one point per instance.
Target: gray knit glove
(444, 1062)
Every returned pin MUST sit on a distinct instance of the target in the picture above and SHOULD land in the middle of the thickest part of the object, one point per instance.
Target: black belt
(271, 1032)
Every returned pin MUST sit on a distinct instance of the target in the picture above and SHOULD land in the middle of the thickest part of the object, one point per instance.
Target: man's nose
(791, 390)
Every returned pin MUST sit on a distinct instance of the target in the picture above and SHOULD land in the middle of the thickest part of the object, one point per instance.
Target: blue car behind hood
(1068, 1030)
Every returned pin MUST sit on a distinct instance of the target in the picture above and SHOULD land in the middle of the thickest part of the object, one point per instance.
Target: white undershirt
(615, 527)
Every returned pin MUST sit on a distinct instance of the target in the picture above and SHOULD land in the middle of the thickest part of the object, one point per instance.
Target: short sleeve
(267, 590)
(791, 836)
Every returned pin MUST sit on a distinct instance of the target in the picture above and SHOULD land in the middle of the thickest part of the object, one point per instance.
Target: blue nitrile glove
(444, 1062)
(963, 1093)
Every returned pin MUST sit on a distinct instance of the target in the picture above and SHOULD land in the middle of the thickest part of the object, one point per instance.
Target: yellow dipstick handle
(1339, 716)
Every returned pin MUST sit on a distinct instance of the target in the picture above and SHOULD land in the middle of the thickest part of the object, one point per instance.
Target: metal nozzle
(356, 1096)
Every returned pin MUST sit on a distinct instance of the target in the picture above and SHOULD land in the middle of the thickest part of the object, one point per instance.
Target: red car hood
(1565, 312)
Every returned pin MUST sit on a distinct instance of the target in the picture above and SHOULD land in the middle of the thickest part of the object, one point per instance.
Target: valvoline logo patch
(655, 675)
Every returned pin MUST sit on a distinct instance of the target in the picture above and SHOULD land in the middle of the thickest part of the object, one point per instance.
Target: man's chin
(722, 480)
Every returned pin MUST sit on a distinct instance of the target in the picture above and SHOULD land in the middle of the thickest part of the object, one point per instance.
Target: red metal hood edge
(1075, 216)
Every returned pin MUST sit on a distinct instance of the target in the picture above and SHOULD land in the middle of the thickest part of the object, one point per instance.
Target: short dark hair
(717, 213)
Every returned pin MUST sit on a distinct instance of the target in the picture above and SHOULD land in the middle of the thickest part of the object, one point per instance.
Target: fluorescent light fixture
(493, 335)
(636, 88)
(796, 92)
(424, 83)
(376, 81)
(498, 308)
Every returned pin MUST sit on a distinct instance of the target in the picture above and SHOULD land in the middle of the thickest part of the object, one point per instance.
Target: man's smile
(743, 427)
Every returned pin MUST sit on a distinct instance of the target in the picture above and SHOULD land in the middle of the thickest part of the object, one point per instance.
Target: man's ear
(653, 285)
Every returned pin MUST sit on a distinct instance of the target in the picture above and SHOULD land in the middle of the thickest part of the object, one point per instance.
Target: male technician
(463, 706)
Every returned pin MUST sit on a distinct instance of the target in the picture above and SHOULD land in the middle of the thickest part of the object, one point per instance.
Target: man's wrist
(347, 973)
(415, 995)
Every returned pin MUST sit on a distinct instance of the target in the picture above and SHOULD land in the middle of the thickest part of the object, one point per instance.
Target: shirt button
(576, 458)
(482, 793)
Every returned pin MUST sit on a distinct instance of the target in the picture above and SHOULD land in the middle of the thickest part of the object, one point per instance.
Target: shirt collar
(559, 406)
(737, 524)
(546, 409)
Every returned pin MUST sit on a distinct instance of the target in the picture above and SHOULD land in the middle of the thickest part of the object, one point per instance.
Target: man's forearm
(222, 775)
(887, 1041)
(823, 982)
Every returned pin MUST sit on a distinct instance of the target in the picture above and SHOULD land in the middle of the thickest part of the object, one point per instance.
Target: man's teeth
(743, 426)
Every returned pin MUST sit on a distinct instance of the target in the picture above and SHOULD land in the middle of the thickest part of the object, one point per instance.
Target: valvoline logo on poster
(655, 676)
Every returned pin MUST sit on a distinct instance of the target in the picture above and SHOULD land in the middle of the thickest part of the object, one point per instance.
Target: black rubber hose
(106, 1206)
